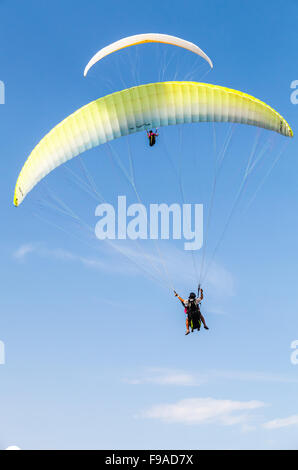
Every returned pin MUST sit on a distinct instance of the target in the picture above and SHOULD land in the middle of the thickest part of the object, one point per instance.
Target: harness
(193, 308)
(194, 315)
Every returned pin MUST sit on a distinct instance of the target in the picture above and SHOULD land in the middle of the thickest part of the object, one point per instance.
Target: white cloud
(24, 250)
(157, 260)
(63, 255)
(167, 377)
(160, 376)
(204, 411)
(167, 262)
(282, 422)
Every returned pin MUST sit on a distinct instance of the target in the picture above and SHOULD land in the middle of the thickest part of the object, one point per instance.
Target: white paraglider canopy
(141, 39)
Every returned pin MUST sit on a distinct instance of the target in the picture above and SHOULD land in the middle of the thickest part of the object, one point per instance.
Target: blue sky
(96, 355)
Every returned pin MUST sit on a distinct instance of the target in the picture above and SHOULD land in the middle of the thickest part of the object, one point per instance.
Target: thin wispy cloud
(166, 377)
(129, 257)
(282, 422)
(24, 250)
(161, 376)
(40, 250)
(204, 411)
(164, 259)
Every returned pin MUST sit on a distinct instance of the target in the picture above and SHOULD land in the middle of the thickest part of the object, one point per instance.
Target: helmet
(192, 296)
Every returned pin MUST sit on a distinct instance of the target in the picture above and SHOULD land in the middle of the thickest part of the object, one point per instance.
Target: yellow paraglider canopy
(139, 108)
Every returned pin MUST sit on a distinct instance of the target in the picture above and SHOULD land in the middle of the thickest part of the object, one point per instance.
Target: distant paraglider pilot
(152, 137)
(192, 310)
